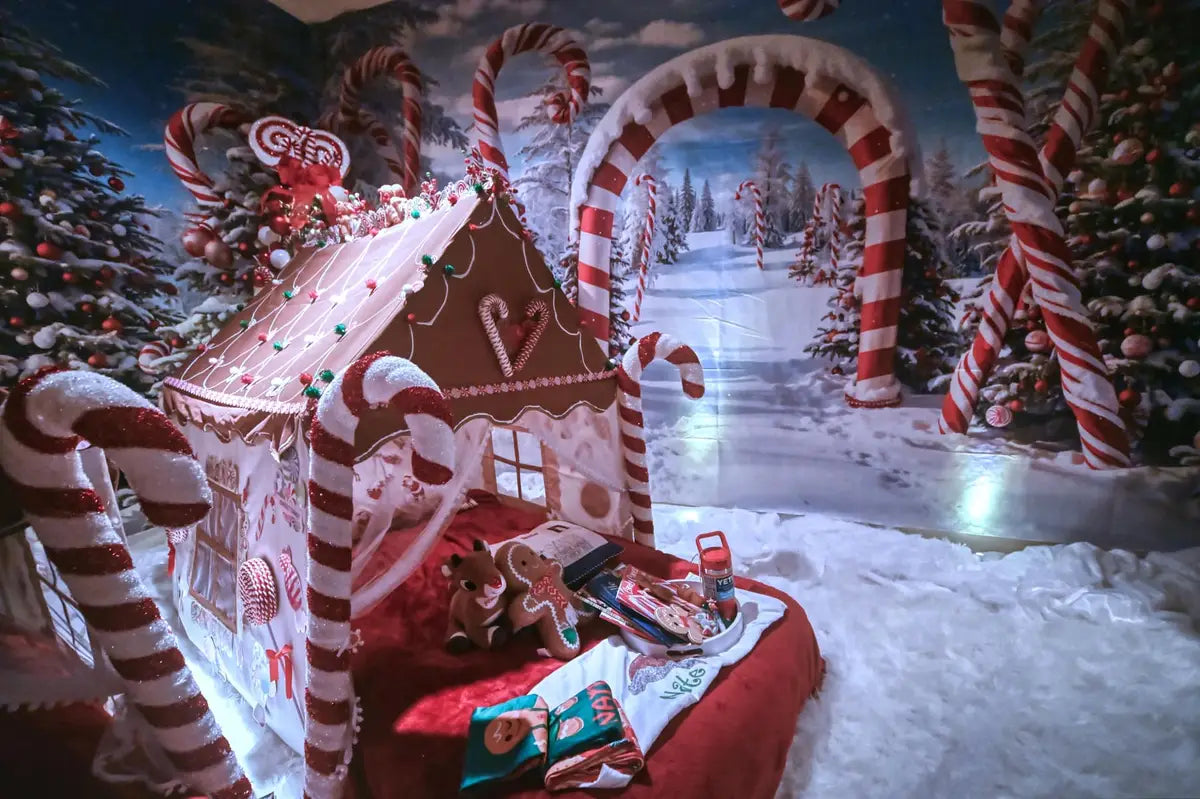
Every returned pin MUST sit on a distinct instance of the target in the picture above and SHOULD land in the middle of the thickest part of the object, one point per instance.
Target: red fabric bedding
(418, 699)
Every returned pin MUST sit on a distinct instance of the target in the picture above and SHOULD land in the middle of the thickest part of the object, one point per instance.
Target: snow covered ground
(773, 432)
(1053, 672)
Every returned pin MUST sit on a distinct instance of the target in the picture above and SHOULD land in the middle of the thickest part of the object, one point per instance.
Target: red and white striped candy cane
(564, 107)
(1072, 119)
(179, 141)
(647, 238)
(378, 62)
(651, 347)
(760, 222)
(44, 419)
(1017, 30)
(151, 352)
(833, 194)
(373, 381)
(1028, 192)
(807, 10)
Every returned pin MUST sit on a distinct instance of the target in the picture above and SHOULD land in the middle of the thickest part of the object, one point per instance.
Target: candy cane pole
(835, 226)
(376, 63)
(806, 10)
(373, 381)
(44, 419)
(564, 107)
(1028, 191)
(652, 347)
(179, 141)
(1072, 119)
(760, 225)
(647, 239)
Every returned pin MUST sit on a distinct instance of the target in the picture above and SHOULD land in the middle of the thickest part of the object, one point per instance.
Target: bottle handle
(713, 534)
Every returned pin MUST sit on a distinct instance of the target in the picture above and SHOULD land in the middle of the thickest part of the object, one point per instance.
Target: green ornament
(611, 363)
(327, 375)
(245, 323)
(278, 345)
(312, 391)
(557, 283)
(288, 294)
(570, 636)
(339, 329)
(448, 269)
(240, 306)
(479, 189)
(427, 260)
(320, 242)
(416, 214)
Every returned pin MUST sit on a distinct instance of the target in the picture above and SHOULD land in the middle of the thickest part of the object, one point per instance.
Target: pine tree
(926, 340)
(800, 202)
(81, 283)
(705, 217)
(954, 205)
(687, 198)
(549, 159)
(771, 175)
(621, 277)
(674, 232)
(1131, 218)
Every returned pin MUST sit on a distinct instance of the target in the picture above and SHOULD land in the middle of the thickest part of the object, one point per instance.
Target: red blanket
(418, 699)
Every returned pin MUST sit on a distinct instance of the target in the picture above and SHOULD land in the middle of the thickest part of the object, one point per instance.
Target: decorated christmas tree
(81, 284)
(1131, 215)
(927, 342)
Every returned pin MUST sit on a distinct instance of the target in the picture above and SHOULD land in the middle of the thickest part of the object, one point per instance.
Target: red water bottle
(716, 573)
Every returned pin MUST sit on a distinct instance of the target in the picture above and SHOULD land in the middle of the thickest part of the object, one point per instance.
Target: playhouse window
(61, 608)
(214, 568)
(517, 459)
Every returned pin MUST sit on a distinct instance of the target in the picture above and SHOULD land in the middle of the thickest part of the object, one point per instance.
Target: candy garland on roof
(44, 419)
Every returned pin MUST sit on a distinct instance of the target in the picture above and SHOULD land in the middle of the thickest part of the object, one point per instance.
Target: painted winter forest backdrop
(778, 343)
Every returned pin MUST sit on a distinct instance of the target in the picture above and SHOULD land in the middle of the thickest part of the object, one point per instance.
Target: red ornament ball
(225, 278)
(1040, 386)
(305, 378)
(112, 324)
(1153, 156)
(1016, 406)
(1193, 214)
(97, 360)
(169, 288)
(1177, 189)
(107, 273)
(372, 285)
(1129, 397)
(243, 246)
(86, 307)
(625, 315)
(96, 168)
(1136, 346)
(279, 225)
(69, 277)
(1193, 302)
(153, 324)
(412, 317)
(16, 322)
(116, 184)
(195, 240)
(9, 210)
(177, 342)
(217, 253)
(262, 337)
(201, 347)
(49, 250)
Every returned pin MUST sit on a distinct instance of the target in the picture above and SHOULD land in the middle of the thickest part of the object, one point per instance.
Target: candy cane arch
(647, 238)
(806, 10)
(838, 90)
(179, 141)
(1029, 180)
(379, 62)
(760, 222)
(650, 348)
(44, 419)
(564, 106)
(373, 381)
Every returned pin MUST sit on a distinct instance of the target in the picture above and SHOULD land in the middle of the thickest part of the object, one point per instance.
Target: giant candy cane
(805, 10)
(564, 107)
(760, 226)
(647, 239)
(652, 347)
(44, 419)
(179, 141)
(1028, 182)
(374, 381)
(389, 61)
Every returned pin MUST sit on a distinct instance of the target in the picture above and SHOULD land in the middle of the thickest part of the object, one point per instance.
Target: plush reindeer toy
(477, 607)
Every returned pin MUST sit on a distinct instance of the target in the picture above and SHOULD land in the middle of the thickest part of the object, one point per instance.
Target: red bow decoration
(281, 659)
(301, 184)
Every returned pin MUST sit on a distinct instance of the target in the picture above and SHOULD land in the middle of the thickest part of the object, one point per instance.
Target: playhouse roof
(394, 292)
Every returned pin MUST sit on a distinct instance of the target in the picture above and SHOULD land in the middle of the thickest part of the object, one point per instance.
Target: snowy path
(773, 433)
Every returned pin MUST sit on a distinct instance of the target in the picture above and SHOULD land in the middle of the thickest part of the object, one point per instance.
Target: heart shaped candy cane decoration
(272, 138)
(493, 310)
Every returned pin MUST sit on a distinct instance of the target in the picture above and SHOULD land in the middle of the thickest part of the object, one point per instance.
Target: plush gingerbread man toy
(540, 598)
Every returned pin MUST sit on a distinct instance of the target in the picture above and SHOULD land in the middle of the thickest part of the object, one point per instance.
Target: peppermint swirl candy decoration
(998, 416)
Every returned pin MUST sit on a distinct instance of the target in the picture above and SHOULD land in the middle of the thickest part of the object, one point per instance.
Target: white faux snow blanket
(653, 690)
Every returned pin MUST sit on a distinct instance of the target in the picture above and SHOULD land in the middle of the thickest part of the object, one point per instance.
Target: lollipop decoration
(310, 164)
